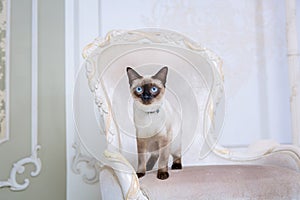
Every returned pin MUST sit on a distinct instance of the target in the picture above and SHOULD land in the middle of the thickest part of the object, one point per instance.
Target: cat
(154, 120)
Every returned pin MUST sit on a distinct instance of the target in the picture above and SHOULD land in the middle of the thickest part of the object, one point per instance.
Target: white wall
(81, 28)
(250, 38)
(248, 35)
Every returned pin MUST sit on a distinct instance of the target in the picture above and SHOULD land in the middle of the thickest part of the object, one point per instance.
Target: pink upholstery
(224, 182)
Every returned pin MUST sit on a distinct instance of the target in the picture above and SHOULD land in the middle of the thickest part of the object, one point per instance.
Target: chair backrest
(194, 86)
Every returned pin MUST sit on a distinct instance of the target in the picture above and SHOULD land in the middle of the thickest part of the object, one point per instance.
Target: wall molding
(4, 135)
(293, 65)
(79, 163)
(90, 165)
(33, 159)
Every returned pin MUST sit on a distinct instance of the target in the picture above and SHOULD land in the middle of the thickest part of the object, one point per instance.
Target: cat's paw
(162, 175)
(176, 166)
(140, 174)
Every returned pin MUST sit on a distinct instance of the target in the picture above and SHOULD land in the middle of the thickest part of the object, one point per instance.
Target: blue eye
(139, 89)
(154, 89)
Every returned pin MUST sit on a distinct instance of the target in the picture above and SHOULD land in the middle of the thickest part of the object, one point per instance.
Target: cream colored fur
(155, 124)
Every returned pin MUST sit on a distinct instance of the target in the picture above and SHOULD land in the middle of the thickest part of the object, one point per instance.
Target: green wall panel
(50, 184)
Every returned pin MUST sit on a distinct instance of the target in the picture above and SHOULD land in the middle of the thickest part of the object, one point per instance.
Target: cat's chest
(150, 124)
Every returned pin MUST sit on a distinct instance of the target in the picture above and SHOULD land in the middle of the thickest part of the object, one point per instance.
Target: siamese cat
(154, 120)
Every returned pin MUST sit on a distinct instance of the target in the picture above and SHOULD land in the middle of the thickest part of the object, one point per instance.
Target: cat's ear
(162, 75)
(132, 75)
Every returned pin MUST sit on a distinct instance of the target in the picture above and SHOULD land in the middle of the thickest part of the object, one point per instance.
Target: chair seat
(224, 182)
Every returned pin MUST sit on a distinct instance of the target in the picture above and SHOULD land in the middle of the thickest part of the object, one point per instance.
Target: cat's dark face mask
(147, 90)
(147, 93)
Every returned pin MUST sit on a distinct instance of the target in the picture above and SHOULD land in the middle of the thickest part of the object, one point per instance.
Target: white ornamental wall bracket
(18, 167)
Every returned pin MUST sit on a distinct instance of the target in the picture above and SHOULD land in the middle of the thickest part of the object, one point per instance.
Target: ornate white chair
(266, 170)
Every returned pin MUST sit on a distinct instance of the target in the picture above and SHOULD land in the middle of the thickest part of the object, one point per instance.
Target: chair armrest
(126, 175)
(266, 152)
(110, 187)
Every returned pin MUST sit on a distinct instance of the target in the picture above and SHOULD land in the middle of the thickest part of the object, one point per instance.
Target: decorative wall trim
(81, 163)
(7, 67)
(99, 17)
(91, 165)
(4, 69)
(19, 166)
(293, 64)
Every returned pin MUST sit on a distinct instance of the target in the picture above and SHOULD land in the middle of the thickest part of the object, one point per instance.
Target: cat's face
(147, 90)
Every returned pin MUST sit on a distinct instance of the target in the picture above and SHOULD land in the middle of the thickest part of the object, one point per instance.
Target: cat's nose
(146, 97)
